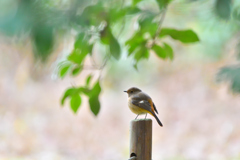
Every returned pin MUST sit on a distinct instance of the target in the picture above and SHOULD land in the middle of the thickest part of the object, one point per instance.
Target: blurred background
(200, 116)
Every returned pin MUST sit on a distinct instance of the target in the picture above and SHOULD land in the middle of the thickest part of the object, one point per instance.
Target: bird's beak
(124, 91)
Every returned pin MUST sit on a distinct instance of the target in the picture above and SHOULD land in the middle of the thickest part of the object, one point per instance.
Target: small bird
(141, 103)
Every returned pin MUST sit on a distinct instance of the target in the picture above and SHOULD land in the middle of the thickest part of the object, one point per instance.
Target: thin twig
(159, 26)
(93, 61)
(108, 56)
(73, 84)
(94, 64)
(124, 21)
(105, 61)
(122, 28)
(91, 67)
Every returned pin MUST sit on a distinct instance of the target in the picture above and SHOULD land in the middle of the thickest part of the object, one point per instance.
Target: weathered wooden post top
(141, 139)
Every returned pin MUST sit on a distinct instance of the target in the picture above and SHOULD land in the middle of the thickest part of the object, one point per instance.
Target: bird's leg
(137, 116)
(146, 116)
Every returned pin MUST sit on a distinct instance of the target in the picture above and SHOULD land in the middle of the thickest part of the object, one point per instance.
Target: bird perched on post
(141, 103)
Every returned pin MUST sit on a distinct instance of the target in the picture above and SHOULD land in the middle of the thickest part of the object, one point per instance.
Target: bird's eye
(131, 91)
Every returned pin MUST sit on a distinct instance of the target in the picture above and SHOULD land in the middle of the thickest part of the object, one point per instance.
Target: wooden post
(141, 139)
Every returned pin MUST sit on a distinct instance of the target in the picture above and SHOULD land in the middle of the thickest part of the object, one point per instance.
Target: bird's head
(132, 91)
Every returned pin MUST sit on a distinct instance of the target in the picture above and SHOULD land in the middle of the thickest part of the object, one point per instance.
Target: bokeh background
(200, 116)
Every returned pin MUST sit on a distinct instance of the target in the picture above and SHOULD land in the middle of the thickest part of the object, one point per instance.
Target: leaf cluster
(92, 93)
(94, 24)
(230, 74)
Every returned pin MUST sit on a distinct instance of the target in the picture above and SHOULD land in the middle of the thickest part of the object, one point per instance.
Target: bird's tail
(159, 122)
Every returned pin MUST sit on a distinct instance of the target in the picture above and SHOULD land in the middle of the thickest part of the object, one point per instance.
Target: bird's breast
(135, 109)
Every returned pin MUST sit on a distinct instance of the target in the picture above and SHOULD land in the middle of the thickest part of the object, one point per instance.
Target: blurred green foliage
(185, 36)
(95, 23)
(230, 74)
(223, 8)
(75, 93)
(103, 17)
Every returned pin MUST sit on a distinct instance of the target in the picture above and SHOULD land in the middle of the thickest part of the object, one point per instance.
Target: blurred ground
(200, 118)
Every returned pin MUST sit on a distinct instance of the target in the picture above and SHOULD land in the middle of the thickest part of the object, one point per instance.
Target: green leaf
(77, 56)
(159, 51)
(92, 15)
(132, 10)
(236, 13)
(115, 49)
(43, 39)
(75, 102)
(94, 98)
(106, 35)
(108, 39)
(94, 105)
(87, 49)
(80, 42)
(223, 8)
(135, 66)
(64, 69)
(230, 74)
(69, 92)
(116, 14)
(134, 42)
(77, 70)
(141, 53)
(163, 3)
(96, 90)
(137, 38)
(88, 80)
(185, 36)
(169, 51)
(147, 25)
(134, 2)
(85, 90)
(81, 49)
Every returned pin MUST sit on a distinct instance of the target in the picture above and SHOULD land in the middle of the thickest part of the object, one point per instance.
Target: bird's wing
(144, 104)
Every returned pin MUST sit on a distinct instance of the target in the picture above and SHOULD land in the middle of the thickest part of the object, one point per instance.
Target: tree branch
(124, 21)
(159, 26)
